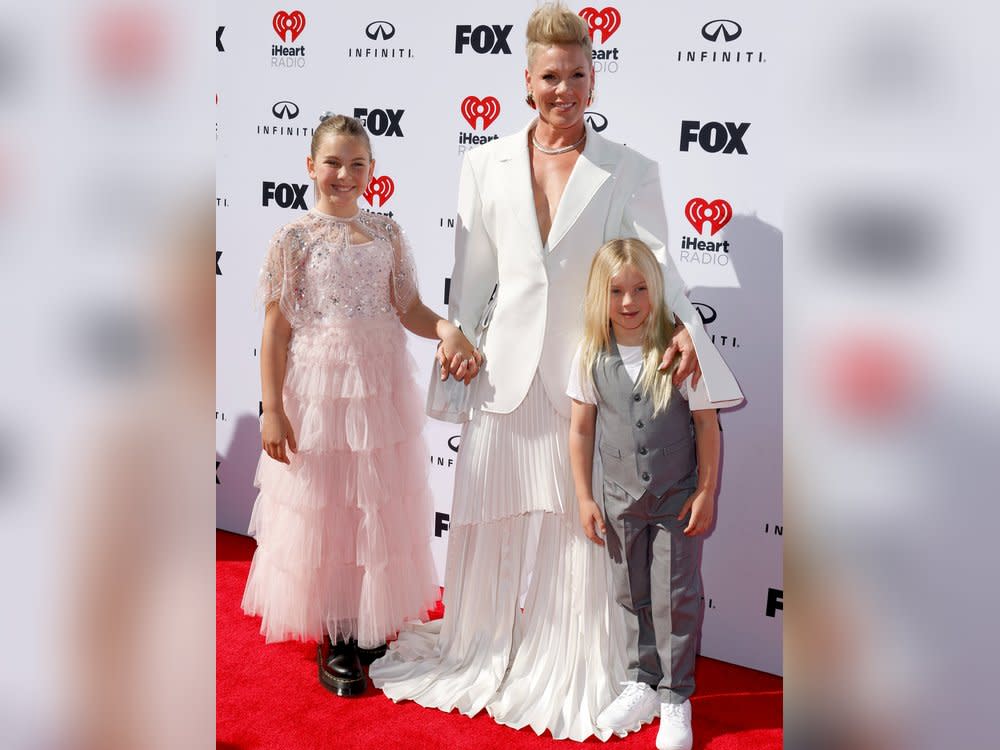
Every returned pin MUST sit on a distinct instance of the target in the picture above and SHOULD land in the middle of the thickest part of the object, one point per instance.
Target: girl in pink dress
(344, 512)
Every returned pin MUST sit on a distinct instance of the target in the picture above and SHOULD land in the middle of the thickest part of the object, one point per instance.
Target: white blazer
(537, 321)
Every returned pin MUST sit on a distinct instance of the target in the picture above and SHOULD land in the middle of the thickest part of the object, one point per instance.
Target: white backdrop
(692, 85)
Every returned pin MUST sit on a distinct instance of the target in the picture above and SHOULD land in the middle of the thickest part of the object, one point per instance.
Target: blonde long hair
(611, 258)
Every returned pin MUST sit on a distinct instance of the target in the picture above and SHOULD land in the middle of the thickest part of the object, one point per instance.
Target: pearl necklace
(554, 151)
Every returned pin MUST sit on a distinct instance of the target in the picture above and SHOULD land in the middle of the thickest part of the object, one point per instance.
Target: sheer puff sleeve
(404, 270)
(271, 282)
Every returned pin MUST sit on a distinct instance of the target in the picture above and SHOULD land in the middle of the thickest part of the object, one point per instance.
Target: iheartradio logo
(381, 188)
(288, 24)
(474, 108)
(605, 21)
(717, 214)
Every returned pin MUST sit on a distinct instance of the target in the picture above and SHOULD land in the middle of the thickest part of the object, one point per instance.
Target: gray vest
(641, 453)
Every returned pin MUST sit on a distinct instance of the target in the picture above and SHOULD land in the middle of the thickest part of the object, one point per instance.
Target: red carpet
(269, 697)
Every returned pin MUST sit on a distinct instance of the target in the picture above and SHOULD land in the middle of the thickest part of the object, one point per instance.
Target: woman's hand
(592, 521)
(682, 344)
(701, 505)
(275, 431)
(457, 356)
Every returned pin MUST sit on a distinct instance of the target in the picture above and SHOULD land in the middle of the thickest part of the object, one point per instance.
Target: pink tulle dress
(343, 532)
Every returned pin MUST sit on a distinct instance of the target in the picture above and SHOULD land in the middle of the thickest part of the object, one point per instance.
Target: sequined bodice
(321, 274)
(343, 280)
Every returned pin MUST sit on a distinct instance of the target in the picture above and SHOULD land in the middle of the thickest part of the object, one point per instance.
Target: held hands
(458, 357)
(275, 430)
(701, 506)
(592, 521)
(682, 344)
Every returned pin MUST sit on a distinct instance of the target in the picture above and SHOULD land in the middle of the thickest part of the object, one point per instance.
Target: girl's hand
(275, 431)
(701, 505)
(682, 344)
(592, 521)
(458, 356)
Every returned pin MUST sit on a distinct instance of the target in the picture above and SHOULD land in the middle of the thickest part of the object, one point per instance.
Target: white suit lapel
(590, 172)
(517, 186)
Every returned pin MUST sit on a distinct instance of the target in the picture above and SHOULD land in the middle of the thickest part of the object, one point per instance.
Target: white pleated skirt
(515, 538)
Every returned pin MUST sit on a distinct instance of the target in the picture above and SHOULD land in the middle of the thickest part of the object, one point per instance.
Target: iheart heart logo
(286, 23)
(717, 213)
(380, 187)
(474, 108)
(606, 21)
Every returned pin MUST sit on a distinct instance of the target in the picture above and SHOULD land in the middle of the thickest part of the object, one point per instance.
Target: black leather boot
(368, 655)
(340, 668)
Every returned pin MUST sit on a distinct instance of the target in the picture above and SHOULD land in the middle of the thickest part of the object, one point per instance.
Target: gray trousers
(657, 581)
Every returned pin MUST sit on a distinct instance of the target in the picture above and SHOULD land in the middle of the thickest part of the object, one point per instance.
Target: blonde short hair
(554, 23)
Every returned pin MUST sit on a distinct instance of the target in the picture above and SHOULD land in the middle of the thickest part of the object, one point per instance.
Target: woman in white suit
(533, 209)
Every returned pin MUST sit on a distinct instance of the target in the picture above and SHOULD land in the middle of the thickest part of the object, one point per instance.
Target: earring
(590, 98)
(530, 101)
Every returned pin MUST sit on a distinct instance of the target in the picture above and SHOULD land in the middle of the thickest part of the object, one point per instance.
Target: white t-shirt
(632, 360)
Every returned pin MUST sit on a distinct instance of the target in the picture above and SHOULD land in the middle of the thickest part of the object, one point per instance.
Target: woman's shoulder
(499, 148)
(624, 155)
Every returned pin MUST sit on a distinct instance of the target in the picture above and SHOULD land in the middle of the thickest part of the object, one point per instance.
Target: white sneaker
(675, 727)
(637, 705)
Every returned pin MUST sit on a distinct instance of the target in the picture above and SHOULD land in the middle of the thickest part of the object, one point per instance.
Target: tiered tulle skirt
(515, 541)
(343, 532)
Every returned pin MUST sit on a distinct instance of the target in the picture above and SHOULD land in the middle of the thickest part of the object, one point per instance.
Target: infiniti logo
(380, 30)
(596, 120)
(730, 30)
(454, 441)
(707, 312)
(285, 110)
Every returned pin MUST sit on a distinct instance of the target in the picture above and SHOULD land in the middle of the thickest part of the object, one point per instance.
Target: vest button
(643, 451)
(645, 476)
(640, 424)
(636, 397)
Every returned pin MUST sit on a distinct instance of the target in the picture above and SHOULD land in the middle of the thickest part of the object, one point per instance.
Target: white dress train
(556, 665)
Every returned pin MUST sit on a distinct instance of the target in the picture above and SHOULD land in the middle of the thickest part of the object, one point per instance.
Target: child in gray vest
(659, 483)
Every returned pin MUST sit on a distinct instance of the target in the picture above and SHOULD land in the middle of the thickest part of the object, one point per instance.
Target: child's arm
(275, 429)
(583, 418)
(701, 504)
(456, 354)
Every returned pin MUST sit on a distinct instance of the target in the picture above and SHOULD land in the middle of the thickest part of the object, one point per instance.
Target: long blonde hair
(611, 258)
